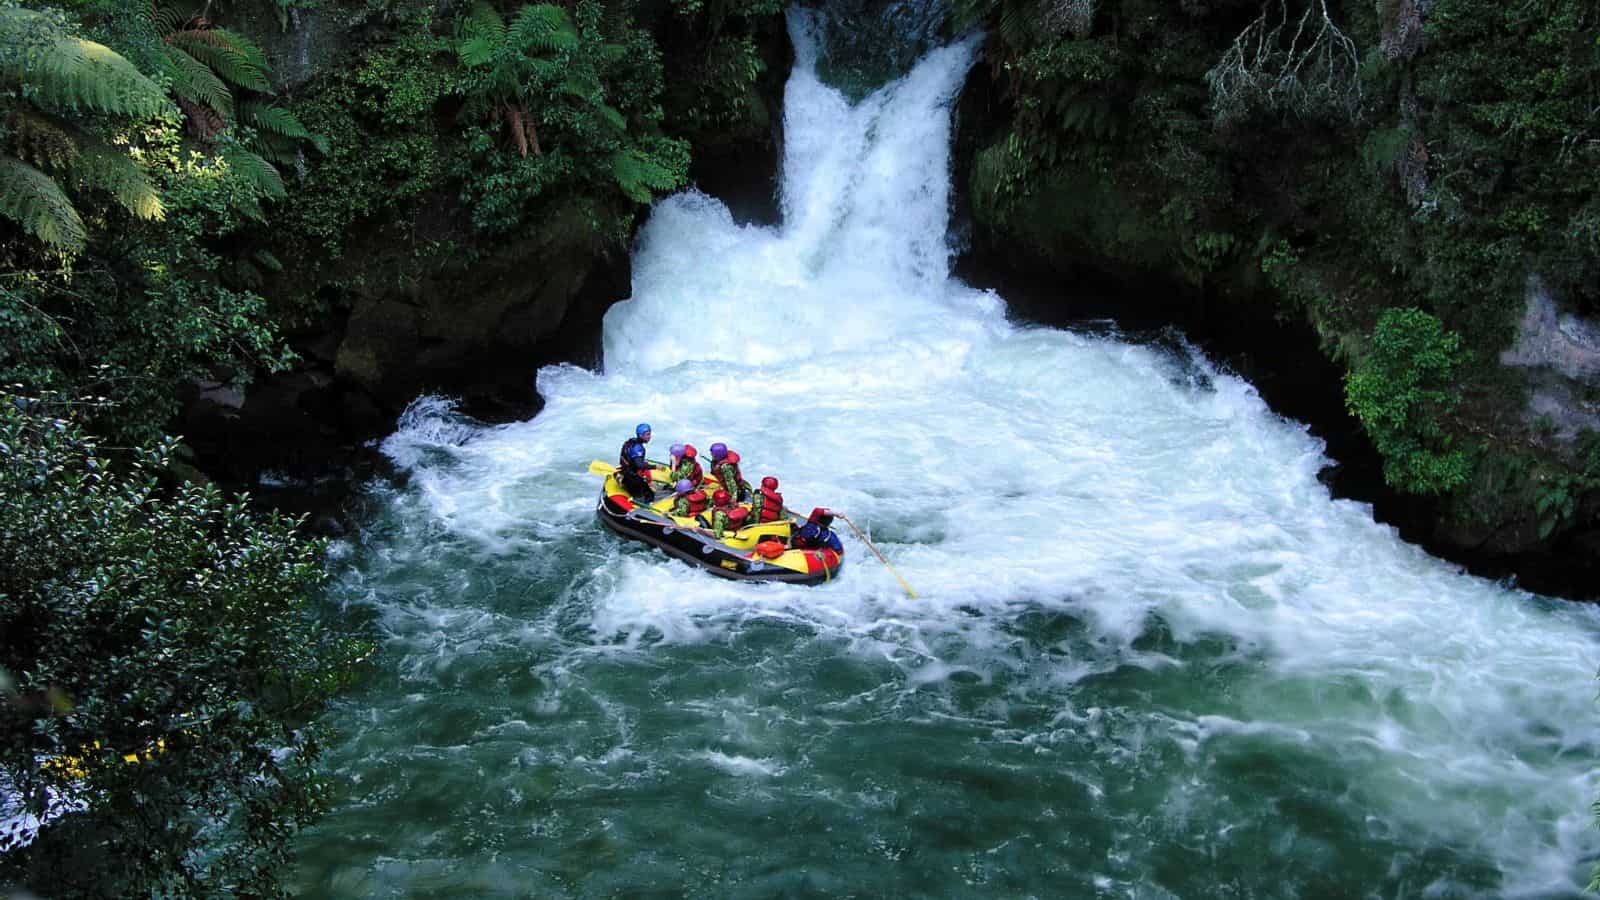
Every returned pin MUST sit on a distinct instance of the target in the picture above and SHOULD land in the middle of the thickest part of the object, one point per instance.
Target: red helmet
(769, 483)
(819, 513)
(720, 498)
(689, 451)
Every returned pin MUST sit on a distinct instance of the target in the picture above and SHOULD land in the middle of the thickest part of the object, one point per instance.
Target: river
(1150, 655)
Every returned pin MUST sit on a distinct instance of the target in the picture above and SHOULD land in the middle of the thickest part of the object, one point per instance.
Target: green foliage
(223, 82)
(52, 85)
(164, 671)
(64, 71)
(578, 100)
(385, 148)
(163, 314)
(1401, 389)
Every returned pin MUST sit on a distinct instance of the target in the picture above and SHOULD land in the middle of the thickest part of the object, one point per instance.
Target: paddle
(909, 592)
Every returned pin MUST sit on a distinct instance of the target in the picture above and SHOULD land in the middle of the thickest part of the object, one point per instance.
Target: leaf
(476, 51)
(109, 169)
(235, 59)
(36, 202)
(70, 71)
(194, 81)
(261, 175)
(275, 119)
(542, 27)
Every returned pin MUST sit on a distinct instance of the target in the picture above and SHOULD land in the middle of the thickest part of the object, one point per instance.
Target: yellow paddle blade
(599, 468)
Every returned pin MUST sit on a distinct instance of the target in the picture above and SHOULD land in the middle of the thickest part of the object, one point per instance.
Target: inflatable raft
(759, 552)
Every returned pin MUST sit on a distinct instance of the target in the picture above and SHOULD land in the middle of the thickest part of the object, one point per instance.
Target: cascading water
(1151, 656)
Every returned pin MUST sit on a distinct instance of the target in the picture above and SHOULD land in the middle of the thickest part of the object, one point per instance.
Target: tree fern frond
(476, 51)
(485, 20)
(42, 139)
(194, 81)
(638, 175)
(34, 200)
(235, 59)
(107, 168)
(275, 119)
(275, 148)
(71, 71)
(262, 175)
(612, 117)
(268, 261)
(167, 19)
(543, 27)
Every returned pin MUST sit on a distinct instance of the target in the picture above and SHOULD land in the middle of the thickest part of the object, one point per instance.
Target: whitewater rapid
(1146, 639)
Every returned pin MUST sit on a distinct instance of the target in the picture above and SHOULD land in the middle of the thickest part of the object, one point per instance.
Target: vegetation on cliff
(1392, 172)
(167, 221)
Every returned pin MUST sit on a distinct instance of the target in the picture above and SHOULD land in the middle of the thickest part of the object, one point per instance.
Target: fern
(476, 51)
(34, 200)
(268, 261)
(544, 28)
(67, 71)
(251, 166)
(612, 118)
(106, 168)
(484, 20)
(194, 81)
(235, 59)
(638, 175)
(275, 119)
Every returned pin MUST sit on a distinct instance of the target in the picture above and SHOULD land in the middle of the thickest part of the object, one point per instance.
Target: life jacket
(812, 536)
(722, 518)
(733, 483)
(690, 469)
(771, 505)
(632, 455)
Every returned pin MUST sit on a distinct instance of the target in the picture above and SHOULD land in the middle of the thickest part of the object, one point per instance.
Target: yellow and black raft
(756, 552)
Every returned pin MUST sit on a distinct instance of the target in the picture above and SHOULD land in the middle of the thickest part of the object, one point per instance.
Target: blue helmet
(642, 430)
(719, 450)
(685, 485)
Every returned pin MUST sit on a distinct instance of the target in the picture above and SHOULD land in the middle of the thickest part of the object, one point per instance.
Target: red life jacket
(697, 502)
(771, 505)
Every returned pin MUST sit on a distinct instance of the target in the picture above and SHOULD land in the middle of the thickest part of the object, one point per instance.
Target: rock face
(1561, 353)
(462, 324)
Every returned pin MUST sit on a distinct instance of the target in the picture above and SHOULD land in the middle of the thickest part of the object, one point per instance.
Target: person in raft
(691, 501)
(726, 517)
(815, 535)
(725, 465)
(633, 470)
(766, 505)
(688, 467)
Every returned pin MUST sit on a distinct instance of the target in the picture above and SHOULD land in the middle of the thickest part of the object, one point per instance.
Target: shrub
(157, 671)
(1401, 389)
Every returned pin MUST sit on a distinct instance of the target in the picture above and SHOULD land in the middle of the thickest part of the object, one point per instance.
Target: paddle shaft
(909, 592)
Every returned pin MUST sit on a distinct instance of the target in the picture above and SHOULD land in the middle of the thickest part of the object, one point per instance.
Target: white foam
(1008, 470)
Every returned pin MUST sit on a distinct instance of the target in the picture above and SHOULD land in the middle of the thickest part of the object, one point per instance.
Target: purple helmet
(685, 485)
(718, 451)
(676, 450)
